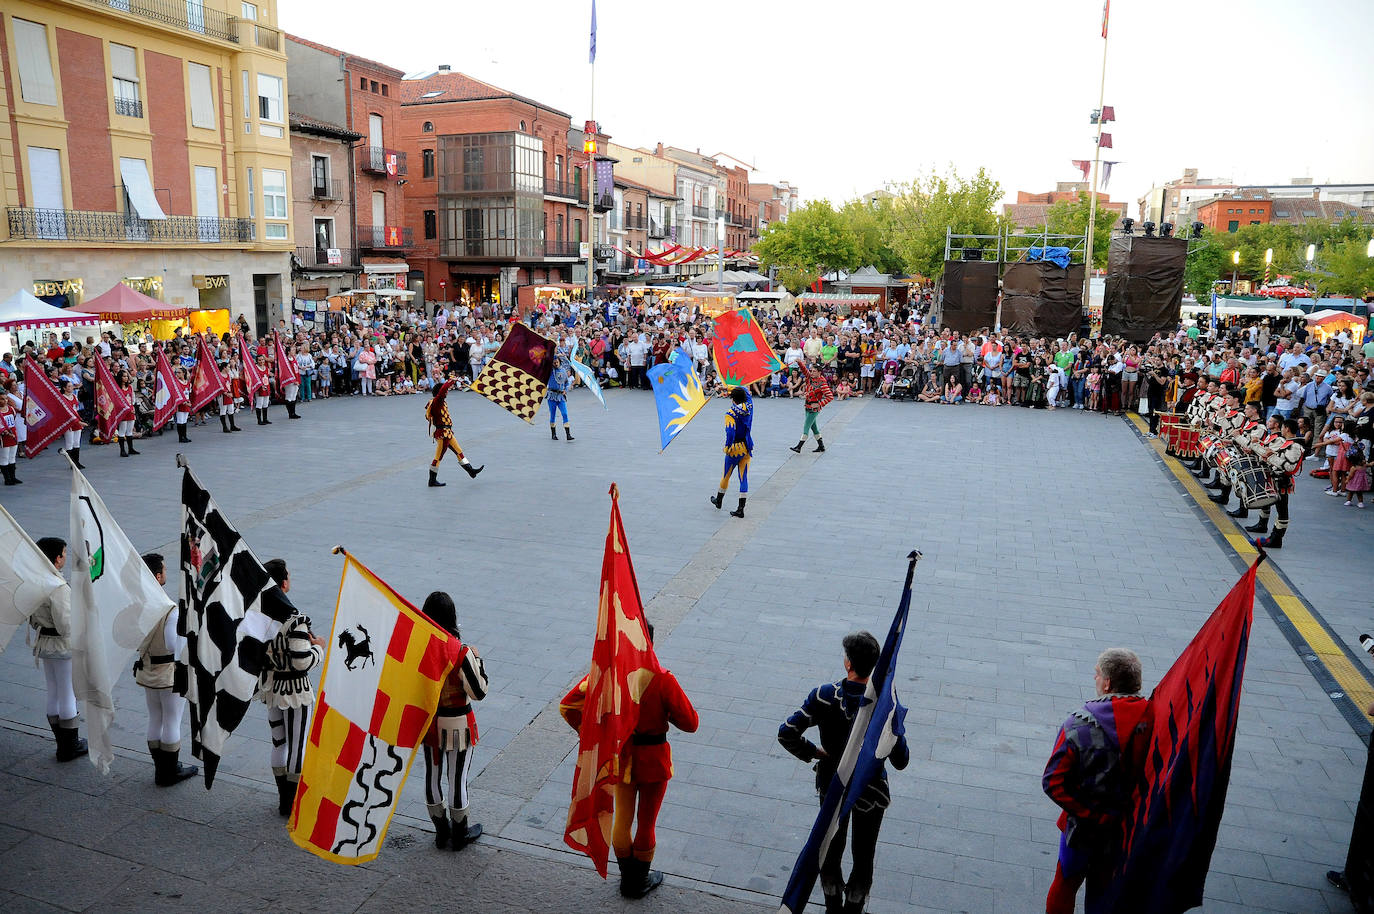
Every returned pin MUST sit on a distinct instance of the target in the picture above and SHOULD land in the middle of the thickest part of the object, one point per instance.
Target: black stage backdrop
(1042, 299)
(1144, 286)
(970, 295)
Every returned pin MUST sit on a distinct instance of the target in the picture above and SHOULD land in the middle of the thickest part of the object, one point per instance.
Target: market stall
(539, 297)
(843, 303)
(137, 314)
(23, 315)
(1328, 323)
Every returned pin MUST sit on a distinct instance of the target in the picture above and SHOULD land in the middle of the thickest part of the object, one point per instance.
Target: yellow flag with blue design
(678, 396)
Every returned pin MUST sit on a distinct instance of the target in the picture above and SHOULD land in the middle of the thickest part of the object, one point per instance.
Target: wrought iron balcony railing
(562, 248)
(565, 189)
(128, 107)
(656, 230)
(328, 189)
(189, 15)
(701, 212)
(379, 160)
(634, 222)
(320, 257)
(385, 237)
(80, 225)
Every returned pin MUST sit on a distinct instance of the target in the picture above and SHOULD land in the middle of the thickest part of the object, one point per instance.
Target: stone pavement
(1047, 537)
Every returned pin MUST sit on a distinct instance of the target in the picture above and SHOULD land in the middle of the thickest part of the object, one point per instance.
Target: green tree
(924, 209)
(1347, 269)
(871, 223)
(1070, 217)
(1207, 263)
(814, 240)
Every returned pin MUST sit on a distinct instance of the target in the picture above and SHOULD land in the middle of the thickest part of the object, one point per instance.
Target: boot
(8, 472)
(463, 834)
(717, 499)
(854, 907)
(233, 426)
(553, 433)
(820, 446)
(1222, 496)
(567, 433)
(265, 420)
(1260, 525)
(834, 904)
(224, 423)
(1273, 540)
(76, 458)
(122, 450)
(627, 875)
(472, 473)
(181, 435)
(1240, 512)
(291, 409)
(70, 745)
(639, 880)
(173, 771)
(739, 512)
(797, 449)
(434, 482)
(441, 831)
(159, 765)
(131, 446)
(286, 794)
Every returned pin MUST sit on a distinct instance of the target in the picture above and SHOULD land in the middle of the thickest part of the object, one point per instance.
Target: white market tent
(25, 311)
(1232, 307)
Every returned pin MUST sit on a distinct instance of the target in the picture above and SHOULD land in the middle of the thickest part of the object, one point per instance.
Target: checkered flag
(231, 610)
(517, 377)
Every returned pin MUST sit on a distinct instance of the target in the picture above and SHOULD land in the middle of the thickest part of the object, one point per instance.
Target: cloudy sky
(840, 98)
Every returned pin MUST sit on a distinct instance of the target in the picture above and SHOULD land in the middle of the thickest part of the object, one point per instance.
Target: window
(324, 237)
(252, 196)
(124, 69)
(428, 127)
(247, 104)
(362, 83)
(385, 90)
(249, 11)
(372, 85)
(1233, 226)
(577, 231)
(270, 104)
(319, 176)
(202, 96)
(36, 84)
(274, 202)
(558, 168)
(431, 224)
(427, 159)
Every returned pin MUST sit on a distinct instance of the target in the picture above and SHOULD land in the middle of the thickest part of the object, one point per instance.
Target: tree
(871, 223)
(1070, 217)
(814, 240)
(1207, 263)
(923, 210)
(1349, 270)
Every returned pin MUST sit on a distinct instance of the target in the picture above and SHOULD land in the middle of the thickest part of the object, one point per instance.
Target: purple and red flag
(46, 414)
(253, 376)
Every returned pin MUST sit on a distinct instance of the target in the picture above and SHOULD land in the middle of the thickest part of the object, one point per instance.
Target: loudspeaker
(972, 254)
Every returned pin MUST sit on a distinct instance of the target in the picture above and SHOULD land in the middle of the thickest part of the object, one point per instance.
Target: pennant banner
(623, 663)
(1083, 165)
(378, 694)
(253, 376)
(170, 394)
(287, 372)
(116, 602)
(517, 377)
(46, 414)
(27, 578)
(740, 349)
(678, 397)
(111, 406)
(206, 382)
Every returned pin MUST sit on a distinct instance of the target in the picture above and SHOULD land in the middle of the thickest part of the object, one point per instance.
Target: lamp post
(1235, 263)
(720, 253)
(1268, 259)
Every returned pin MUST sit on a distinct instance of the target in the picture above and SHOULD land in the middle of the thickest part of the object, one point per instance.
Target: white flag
(116, 601)
(26, 577)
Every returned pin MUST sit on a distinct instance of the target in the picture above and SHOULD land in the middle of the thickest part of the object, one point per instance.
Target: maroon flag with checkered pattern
(517, 377)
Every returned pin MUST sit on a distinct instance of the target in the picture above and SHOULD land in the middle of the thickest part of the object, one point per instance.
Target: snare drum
(1169, 424)
(1226, 456)
(1254, 485)
(1187, 442)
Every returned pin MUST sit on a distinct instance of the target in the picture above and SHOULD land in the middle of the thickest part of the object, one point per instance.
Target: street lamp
(1311, 254)
(720, 253)
(1268, 259)
(1369, 251)
(1235, 263)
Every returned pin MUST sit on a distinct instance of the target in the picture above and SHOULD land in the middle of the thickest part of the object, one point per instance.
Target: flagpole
(589, 146)
(1097, 158)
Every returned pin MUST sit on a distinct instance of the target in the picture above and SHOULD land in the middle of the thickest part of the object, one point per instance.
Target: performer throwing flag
(560, 380)
(739, 447)
(288, 376)
(818, 394)
(441, 427)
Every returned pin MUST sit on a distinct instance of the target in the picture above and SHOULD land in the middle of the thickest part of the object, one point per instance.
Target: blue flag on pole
(591, 58)
(1214, 309)
(878, 726)
(678, 396)
(589, 378)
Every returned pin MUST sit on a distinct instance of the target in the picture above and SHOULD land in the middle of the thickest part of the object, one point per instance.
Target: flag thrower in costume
(116, 601)
(517, 377)
(46, 413)
(740, 349)
(678, 396)
(111, 406)
(26, 577)
(206, 382)
(623, 664)
(378, 694)
(878, 724)
(1170, 827)
(170, 394)
(232, 609)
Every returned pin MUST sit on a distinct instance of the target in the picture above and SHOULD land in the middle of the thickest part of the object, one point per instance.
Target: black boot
(70, 745)
(627, 875)
(76, 458)
(853, 907)
(1273, 540)
(441, 831)
(739, 512)
(834, 904)
(286, 794)
(638, 880)
(122, 451)
(472, 472)
(434, 482)
(567, 433)
(291, 409)
(1260, 525)
(159, 763)
(717, 499)
(797, 449)
(1240, 512)
(820, 446)
(1222, 496)
(181, 435)
(463, 834)
(131, 446)
(224, 423)
(233, 426)
(8, 472)
(265, 420)
(173, 771)
(553, 433)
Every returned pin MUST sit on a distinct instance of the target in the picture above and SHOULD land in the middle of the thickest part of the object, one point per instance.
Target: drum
(1168, 426)
(1187, 442)
(1226, 456)
(1210, 445)
(1254, 486)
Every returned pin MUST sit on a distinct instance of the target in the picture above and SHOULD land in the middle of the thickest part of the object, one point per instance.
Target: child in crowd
(993, 398)
(1337, 450)
(889, 378)
(954, 392)
(975, 394)
(775, 385)
(1357, 483)
(843, 390)
(855, 386)
(1094, 388)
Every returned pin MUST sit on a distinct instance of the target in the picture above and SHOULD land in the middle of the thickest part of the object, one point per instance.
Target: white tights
(164, 716)
(61, 698)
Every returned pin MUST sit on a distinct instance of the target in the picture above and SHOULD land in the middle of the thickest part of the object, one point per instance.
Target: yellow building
(148, 142)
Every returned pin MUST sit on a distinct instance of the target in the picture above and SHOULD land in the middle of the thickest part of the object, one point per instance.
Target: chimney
(1316, 193)
(658, 150)
(444, 68)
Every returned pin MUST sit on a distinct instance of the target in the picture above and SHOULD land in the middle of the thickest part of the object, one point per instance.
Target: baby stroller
(904, 388)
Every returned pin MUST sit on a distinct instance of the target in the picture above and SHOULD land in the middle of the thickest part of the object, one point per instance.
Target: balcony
(565, 190)
(377, 160)
(262, 36)
(701, 212)
(187, 15)
(128, 107)
(605, 202)
(80, 225)
(327, 189)
(733, 219)
(319, 257)
(656, 230)
(636, 223)
(563, 249)
(385, 238)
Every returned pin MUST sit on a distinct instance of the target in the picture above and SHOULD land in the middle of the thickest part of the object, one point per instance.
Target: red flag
(1106, 9)
(170, 394)
(741, 351)
(287, 373)
(252, 374)
(111, 406)
(1108, 113)
(1171, 827)
(623, 662)
(206, 381)
(1084, 166)
(46, 413)
(1105, 141)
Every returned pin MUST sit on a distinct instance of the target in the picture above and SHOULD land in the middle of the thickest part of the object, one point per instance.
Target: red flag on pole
(111, 406)
(623, 664)
(287, 373)
(170, 394)
(1106, 9)
(46, 413)
(206, 381)
(1083, 165)
(1106, 141)
(1108, 113)
(252, 374)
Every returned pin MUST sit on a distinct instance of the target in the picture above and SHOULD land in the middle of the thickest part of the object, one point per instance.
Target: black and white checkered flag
(231, 610)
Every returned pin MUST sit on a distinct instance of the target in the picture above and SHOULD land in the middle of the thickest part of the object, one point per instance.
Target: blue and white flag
(591, 57)
(586, 374)
(678, 396)
(878, 726)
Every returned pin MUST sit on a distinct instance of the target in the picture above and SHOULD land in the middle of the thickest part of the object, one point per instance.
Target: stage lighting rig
(1149, 229)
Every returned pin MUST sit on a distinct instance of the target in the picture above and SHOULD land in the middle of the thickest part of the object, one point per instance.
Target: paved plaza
(1047, 537)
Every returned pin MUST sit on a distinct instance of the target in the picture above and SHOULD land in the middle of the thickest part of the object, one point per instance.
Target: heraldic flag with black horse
(232, 609)
(517, 377)
(1170, 828)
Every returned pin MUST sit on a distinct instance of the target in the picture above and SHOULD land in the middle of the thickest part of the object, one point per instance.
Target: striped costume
(451, 737)
(284, 687)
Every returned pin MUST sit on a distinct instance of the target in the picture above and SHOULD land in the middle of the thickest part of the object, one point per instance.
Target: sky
(840, 99)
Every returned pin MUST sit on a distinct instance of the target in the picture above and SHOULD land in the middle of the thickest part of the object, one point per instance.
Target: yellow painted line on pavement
(1298, 612)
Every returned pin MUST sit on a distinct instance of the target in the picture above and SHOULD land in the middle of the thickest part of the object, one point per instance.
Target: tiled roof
(1300, 209)
(452, 86)
(322, 128)
(328, 50)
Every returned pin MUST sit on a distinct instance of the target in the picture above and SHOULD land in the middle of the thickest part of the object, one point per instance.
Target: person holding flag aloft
(739, 447)
(818, 394)
(441, 427)
(288, 376)
(560, 382)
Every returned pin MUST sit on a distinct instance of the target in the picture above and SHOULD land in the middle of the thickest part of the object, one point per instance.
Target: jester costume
(818, 394)
(739, 446)
(560, 381)
(441, 427)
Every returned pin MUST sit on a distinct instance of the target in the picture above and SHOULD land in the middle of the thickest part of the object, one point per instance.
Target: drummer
(1285, 459)
(1226, 421)
(1261, 444)
(1250, 433)
(1199, 414)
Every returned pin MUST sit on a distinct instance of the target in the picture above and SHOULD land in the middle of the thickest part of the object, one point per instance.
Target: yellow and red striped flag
(378, 694)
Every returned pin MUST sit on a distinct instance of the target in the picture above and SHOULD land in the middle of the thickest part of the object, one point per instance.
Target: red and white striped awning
(25, 311)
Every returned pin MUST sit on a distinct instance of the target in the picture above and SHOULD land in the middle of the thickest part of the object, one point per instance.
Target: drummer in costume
(1245, 437)
(1224, 422)
(739, 447)
(441, 427)
(1198, 411)
(1285, 458)
(818, 394)
(1257, 442)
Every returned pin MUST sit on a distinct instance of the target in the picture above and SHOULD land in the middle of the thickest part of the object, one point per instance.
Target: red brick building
(1229, 213)
(737, 208)
(1029, 210)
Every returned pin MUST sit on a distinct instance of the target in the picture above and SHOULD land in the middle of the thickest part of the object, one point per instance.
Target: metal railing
(385, 237)
(374, 160)
(179, 14)
(605, 201)
(319, 257)
(635, 222)
(701, 212)
(329, 189)
(656, 230)
(566, 189)
(562, 248)
(81, 225)
(263, 36)
(128, 107)
(733, 219)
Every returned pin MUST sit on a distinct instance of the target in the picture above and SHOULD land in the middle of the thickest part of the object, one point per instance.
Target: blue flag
(592, 54)
(678, 396)
(589, 378)
(878, 726)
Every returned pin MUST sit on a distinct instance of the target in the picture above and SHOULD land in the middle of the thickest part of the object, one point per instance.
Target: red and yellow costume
(441, 425)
